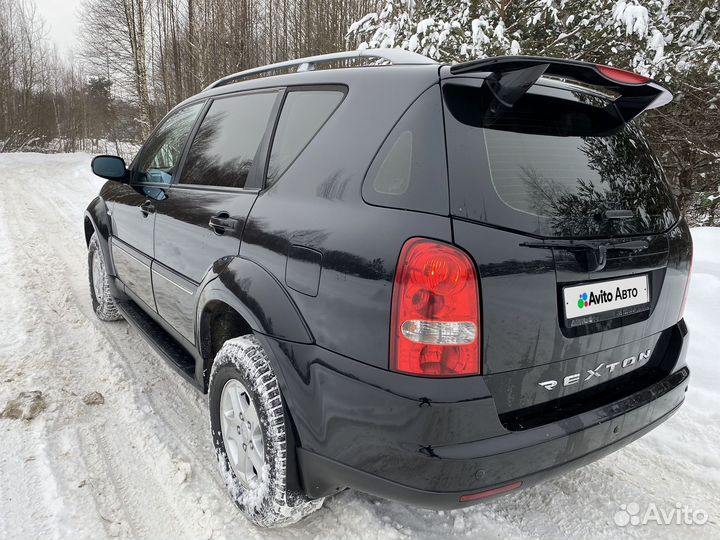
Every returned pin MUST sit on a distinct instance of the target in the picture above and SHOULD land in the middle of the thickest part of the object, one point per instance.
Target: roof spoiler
(512, 76)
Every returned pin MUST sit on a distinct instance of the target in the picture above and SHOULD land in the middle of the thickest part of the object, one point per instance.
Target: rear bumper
(501, 462)
(427, 442)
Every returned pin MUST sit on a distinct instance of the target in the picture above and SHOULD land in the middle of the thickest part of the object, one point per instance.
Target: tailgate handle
(598, 260)
(619, 214)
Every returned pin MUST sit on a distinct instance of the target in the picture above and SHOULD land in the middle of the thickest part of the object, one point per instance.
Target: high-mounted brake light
(435, 312)
(621, 75)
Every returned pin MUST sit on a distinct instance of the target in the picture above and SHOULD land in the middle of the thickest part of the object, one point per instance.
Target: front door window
(161, 155)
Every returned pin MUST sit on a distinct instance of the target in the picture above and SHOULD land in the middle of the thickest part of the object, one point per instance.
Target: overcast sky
(61, 21)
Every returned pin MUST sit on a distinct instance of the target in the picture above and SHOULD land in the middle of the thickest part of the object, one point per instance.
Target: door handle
(147, 208)
(222, 222)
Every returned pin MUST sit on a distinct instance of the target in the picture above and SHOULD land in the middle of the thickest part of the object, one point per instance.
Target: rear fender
(258, 297)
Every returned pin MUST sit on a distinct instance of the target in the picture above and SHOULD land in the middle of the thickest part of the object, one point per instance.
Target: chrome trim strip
(183, 289)
(114, 245)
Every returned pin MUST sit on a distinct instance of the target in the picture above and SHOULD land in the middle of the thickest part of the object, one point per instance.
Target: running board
(163, 343)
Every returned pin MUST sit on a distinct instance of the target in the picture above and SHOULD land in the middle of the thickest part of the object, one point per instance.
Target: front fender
(259, 298)
(97, 215)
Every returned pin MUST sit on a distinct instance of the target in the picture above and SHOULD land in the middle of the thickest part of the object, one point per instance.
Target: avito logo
(594, 298)
(601, 297)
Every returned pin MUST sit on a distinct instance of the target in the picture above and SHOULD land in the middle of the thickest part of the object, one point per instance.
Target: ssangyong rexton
(431, 283)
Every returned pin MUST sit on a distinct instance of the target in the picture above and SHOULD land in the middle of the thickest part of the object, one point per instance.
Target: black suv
(431, 283)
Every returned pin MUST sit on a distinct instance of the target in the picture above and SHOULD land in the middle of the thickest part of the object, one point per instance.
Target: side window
(161, 154)
(393, 175)
(303, 114)
(223, 151)
(410, 169)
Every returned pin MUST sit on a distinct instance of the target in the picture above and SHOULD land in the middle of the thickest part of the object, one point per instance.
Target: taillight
(435, 312)
(622, 76)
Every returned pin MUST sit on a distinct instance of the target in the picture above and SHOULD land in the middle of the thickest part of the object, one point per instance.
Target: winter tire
(251, 435)
(102, 301)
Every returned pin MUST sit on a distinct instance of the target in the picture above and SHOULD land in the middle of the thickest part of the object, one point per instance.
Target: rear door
(134, 204)
(202, 214)
(575, 232)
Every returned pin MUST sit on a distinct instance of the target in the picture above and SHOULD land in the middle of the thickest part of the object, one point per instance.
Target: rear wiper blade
(599, 250)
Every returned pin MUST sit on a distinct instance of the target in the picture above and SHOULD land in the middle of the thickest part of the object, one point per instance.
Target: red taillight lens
(622, 76)
(435, 312)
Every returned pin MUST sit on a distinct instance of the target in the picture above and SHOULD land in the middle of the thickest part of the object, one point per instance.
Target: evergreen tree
(652, 37)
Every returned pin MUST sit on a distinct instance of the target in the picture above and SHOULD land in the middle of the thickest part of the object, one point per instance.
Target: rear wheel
(102, 301)
(251, 436)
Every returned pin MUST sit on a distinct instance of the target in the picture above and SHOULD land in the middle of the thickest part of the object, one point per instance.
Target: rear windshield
(558, 163)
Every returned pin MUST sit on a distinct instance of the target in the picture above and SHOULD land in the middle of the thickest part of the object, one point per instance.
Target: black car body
(527, 191)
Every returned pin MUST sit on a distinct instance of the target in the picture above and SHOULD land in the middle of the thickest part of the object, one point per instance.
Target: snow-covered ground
(141, 465)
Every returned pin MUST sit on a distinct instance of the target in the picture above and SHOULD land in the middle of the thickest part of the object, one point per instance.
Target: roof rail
(394, 56)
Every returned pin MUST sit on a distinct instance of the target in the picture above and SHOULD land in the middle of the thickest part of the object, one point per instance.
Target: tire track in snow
(187, 420)
(58, 316)
(138, 514)
(16, 497)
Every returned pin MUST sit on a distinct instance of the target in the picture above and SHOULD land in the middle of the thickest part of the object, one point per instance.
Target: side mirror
(110, 167)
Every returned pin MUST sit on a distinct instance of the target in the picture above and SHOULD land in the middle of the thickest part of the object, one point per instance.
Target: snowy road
(141, 466)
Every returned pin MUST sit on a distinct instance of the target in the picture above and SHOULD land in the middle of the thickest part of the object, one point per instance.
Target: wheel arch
(212, 336)
(89, 227)
(96, 220)
(218, 321)
(243, 298)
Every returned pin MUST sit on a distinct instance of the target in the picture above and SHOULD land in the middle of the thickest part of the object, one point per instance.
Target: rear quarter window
(410, 168)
